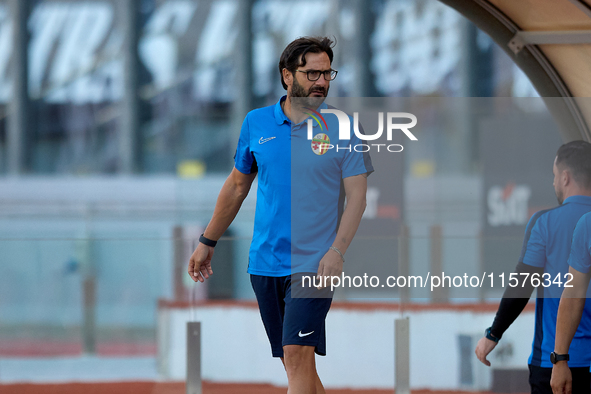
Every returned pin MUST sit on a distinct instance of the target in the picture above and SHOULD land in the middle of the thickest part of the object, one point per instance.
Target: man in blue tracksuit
(545, 252)
(300, 225)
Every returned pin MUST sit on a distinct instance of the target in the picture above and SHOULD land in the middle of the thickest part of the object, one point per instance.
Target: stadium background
(118, 123)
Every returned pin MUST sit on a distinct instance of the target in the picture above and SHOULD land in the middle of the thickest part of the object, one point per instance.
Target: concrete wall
(360, 345)
(53, 228)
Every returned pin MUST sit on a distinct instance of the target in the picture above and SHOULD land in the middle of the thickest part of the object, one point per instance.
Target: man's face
(558, 189)
(314, 92)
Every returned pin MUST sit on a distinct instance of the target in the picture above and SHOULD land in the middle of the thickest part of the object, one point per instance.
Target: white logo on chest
(262, 141)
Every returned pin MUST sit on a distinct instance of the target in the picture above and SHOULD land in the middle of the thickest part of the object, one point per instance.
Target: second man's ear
(566, 177)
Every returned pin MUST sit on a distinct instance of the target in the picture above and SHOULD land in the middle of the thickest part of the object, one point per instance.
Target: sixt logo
(508, 206)
(345, 129)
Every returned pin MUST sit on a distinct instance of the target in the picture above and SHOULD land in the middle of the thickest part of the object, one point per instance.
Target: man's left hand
(330, 265)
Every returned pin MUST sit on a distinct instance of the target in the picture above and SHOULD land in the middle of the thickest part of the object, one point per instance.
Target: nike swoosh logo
(262, 141)
(305, 335)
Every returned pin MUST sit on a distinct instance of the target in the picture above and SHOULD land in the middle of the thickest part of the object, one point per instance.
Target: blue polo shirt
(580, 252)
(547, 245)
(300, 193)
(580, 259)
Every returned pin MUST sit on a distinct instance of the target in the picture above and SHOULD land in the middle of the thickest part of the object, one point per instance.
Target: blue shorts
(292, 321)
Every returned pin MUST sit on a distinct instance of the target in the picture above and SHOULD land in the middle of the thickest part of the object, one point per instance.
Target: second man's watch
(490, 336)
(554, 358)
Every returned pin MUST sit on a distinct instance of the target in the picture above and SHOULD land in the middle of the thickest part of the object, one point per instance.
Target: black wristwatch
(207, 241)
(554, 358)
(490, 336)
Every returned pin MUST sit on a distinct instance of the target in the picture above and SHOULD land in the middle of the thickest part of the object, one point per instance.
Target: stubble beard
(559, 196)
(303, 98)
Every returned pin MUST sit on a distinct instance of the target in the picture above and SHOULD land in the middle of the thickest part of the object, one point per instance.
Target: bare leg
(300, 365)
(319, 386)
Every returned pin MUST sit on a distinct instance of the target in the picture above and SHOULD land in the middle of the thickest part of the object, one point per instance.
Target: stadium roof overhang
(550, 40)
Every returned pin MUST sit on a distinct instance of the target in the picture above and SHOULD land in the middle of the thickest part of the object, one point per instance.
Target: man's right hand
(483, 348)
(200, 263)
(562, 378)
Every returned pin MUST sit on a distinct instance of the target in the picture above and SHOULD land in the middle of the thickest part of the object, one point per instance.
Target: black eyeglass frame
(332, 74)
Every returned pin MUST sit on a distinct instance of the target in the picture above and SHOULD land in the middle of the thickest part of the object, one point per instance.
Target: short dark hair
(576, 156)
(290, 58)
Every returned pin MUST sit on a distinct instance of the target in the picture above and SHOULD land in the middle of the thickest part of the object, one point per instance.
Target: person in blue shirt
(301, 228)
(545, 252)
(573, 309)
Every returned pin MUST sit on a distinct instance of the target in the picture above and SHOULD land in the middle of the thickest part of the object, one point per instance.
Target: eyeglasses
(314, 75)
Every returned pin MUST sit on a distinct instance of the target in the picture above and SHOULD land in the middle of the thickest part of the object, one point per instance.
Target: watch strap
(554, 357)
(207, 241)
(491, 337)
